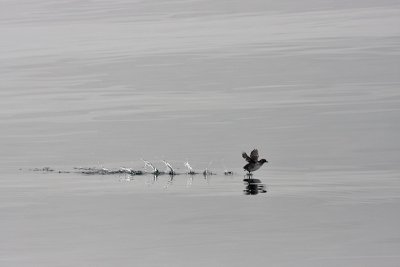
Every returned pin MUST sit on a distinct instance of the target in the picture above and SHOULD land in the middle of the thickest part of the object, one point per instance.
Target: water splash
(149, 164)
(190, 169)
(105, 171)
(169, 166)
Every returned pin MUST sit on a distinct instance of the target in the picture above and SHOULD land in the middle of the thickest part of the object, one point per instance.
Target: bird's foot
(249, 175)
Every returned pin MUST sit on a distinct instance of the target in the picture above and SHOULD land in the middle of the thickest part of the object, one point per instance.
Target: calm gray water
(314, 85)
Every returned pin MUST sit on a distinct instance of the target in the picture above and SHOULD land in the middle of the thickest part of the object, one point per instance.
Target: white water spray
(190, 169)
(171, 170)
(148, 164)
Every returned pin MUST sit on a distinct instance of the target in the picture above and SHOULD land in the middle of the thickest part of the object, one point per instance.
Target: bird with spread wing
(253, 162)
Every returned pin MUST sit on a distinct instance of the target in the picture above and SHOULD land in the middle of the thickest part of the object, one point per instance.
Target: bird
(253, 162)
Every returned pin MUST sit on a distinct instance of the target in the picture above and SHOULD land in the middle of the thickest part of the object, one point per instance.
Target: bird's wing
(254, 155)
(247, 158)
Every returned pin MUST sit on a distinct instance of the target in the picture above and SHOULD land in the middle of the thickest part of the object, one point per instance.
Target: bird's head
(264, 161)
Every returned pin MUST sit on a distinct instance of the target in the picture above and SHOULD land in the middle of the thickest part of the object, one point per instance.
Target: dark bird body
(253, 162)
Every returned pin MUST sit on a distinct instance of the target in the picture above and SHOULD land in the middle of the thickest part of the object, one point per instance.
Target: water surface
(314, 86)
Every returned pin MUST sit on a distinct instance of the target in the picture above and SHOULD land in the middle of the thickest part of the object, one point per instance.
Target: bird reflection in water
(253, 186)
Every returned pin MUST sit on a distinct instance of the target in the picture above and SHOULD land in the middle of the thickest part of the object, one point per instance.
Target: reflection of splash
(206, 174)
(189, 181)
(253, 186)
(155, 177)
(152, 180)
(169, 182)
(126, 178)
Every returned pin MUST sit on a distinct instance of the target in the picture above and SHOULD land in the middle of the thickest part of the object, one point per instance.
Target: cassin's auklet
(253, 162)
